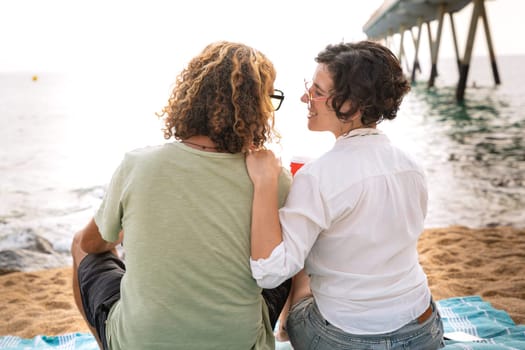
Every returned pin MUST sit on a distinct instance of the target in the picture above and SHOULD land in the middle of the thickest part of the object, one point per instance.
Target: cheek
(326, 114)
(321, 122)
(313, 125)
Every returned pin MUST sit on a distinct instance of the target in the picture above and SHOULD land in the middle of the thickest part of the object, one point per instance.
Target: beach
(459, 261)
(472, 153)
(72, 102)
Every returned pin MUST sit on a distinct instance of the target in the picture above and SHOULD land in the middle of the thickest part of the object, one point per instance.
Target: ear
(356, 119)
(346, 108)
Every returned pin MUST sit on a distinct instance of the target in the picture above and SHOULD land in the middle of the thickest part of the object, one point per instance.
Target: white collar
(361, 132)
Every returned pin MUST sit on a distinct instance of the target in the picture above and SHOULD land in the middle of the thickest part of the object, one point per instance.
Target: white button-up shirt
(352, 219)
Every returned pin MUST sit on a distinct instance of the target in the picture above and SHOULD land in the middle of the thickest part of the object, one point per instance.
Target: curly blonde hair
(223, 93)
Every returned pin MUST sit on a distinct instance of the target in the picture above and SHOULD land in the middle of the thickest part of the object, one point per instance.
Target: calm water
(61, 138)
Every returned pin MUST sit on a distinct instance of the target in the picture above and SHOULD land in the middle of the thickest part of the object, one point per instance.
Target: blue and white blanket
(461, 316)
(473, 316)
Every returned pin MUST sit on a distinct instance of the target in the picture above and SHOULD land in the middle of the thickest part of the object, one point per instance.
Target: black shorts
(99, 277)
(275, 299)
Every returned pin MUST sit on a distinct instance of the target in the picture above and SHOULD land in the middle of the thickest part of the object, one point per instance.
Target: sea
(62, 134)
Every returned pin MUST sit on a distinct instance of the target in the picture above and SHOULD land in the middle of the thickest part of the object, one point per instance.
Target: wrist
(265, 184)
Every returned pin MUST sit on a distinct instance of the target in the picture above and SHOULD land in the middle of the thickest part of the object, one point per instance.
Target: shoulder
(408, 159)
(285, 182)
(148, 151)
(286, 177)
(143, 154)
(140, 158)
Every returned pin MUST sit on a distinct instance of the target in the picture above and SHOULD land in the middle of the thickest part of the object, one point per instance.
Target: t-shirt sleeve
(285, 182)
(109, 215)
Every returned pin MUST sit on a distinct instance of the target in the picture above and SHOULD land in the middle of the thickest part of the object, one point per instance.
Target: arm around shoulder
(264, 170)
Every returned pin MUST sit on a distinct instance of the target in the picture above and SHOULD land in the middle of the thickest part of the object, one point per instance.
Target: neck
(203, 143)
(354, 122)
(360, 127)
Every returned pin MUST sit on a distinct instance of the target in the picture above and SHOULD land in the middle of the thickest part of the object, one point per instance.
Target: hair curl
(369, 76)
(223, 93)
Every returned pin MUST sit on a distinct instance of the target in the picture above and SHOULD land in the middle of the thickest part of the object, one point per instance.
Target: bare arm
(264, 170)
(91, 240)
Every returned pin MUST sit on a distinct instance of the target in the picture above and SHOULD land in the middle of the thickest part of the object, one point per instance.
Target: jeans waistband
(336, 331)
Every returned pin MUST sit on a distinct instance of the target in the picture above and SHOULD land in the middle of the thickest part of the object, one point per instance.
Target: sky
(62, 34)
(127, 53)
(127, 35)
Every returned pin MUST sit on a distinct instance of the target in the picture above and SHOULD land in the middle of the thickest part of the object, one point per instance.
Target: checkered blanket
(473, 316)
(462, 316)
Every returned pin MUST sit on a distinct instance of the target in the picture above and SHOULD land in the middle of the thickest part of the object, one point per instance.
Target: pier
(396, 17)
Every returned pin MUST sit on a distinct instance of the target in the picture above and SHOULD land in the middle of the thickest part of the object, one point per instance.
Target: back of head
(223, 93)
(367, 74)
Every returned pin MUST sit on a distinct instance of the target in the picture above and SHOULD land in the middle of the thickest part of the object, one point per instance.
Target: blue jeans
(308, 329)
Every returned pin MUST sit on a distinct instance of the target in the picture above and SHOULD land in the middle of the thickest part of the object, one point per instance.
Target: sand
(459, 261)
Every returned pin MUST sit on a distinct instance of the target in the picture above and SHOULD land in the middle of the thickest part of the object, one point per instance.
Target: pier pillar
(435, 45)
(455, 39)
(477, 12)
(402, 54)
(489, 45)
(465, 62)
(417, 40)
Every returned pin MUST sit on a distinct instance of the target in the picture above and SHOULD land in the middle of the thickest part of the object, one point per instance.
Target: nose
(304, 98)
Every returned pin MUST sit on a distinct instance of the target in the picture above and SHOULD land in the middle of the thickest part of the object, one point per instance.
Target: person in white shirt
(352, 218)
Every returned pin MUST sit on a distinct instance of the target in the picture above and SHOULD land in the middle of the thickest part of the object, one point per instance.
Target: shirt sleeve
(302, 218)
(109, 215)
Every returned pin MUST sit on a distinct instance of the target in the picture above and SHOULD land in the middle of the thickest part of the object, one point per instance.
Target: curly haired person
(182, 211)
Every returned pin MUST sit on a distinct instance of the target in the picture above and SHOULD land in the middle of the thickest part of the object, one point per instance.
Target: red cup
(297, 162)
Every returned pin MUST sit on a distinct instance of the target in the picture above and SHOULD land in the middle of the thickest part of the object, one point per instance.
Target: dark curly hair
(369, 76)
(223, 93)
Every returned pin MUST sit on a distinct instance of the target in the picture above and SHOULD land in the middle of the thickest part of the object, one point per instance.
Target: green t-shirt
(186, 218)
